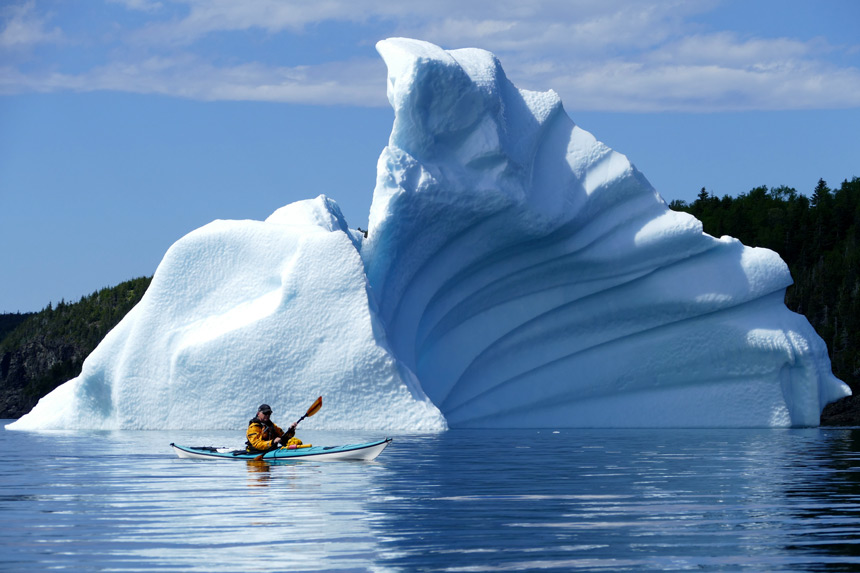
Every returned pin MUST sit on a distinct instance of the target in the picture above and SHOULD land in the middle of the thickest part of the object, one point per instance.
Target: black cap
(265, 408)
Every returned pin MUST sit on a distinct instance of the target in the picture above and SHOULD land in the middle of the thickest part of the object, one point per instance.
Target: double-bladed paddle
(315, 407)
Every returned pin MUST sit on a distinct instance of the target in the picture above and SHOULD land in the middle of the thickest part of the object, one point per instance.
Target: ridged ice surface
(517, 273)
(531, 276)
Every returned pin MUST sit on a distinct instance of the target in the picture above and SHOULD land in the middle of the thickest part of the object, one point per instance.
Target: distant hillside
(9, 322)
(39, 351)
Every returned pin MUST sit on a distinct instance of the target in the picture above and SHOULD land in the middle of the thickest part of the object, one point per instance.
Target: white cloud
(613, 55)
(726, 49)
(141, 5)
(206, 17)
(560, 32)
(355, 82)
(506, 24)
(635, 87)
(23, 28)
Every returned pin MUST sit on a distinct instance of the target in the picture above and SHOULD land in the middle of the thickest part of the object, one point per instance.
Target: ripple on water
(777, 500)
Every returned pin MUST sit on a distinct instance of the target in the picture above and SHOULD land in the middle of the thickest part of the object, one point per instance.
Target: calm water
(755, 500)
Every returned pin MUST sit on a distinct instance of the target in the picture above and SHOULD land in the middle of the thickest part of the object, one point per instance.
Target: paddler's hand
(276, 441)
(293, 427)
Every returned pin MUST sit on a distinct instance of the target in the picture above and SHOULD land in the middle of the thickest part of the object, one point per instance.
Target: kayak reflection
(259, 472)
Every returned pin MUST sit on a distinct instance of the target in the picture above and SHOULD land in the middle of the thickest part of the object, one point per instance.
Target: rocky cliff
(40, 351)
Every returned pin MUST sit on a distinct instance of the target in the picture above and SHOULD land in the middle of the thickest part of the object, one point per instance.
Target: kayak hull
(362, 452)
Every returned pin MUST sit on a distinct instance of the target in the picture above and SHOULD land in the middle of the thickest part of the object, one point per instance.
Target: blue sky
(125, 124)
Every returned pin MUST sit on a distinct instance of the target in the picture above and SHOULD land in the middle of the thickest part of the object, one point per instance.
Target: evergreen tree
(49, 347)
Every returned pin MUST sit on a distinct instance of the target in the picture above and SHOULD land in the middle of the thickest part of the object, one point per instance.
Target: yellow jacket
(262, 434)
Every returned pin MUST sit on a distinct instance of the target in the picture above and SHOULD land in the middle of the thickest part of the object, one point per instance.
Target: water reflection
(124, 501)
(259, 473)
(605, 500)
(757, 500)
(823, 490)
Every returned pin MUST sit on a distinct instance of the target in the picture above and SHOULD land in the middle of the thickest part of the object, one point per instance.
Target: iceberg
(244, 312)
(516, 273)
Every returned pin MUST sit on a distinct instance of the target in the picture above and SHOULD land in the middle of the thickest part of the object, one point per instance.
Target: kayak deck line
(363, 452)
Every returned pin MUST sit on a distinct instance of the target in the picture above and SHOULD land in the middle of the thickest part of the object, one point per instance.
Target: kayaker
(264, 435)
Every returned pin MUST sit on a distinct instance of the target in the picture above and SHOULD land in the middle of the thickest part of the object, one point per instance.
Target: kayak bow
(367, 451)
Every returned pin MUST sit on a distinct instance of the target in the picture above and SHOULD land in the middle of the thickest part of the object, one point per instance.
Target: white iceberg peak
(530, 276)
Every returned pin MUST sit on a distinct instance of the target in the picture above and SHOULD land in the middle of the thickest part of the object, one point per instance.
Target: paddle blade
(315, 407)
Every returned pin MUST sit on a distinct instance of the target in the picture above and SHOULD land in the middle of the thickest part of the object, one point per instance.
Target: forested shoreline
(818, 236)
(39, 351)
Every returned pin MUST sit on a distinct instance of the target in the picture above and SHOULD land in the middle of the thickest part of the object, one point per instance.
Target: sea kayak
(366, 452)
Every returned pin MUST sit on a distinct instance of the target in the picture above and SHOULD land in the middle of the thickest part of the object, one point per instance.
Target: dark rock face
(40, 351)
(30, 371)
(843, 412)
